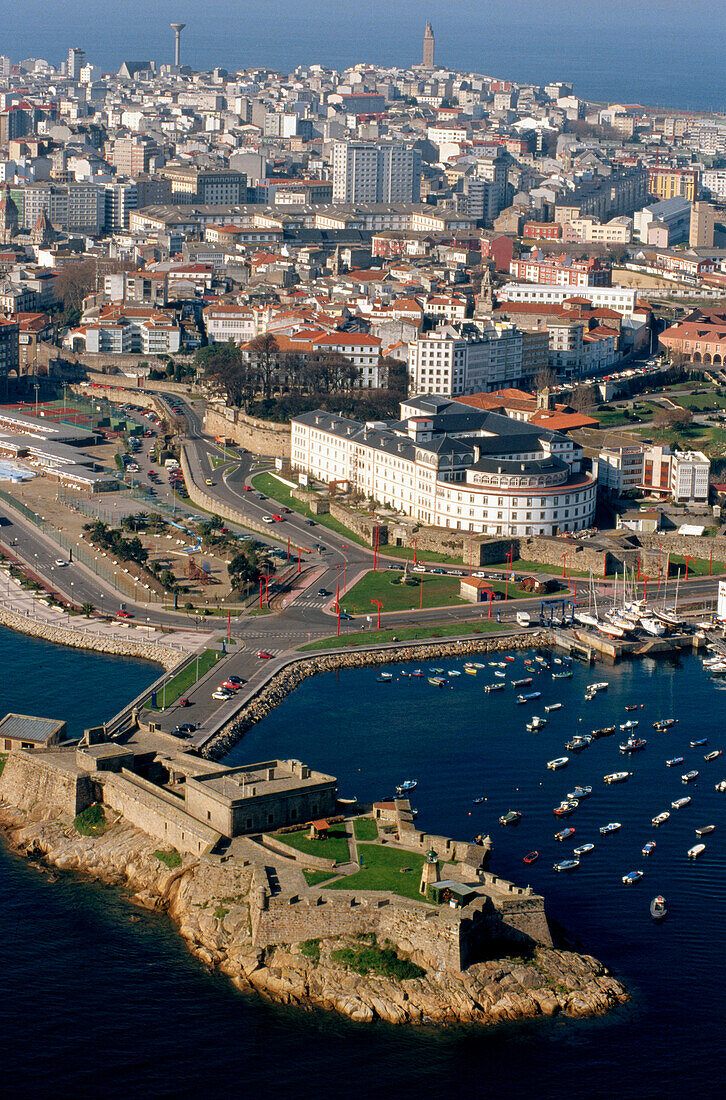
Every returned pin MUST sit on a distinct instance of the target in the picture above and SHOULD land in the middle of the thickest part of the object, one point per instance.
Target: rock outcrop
(208, 901)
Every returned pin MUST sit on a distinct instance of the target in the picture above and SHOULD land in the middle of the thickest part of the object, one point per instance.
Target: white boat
(612, 827)
(600, 685)
(494, 687)
(501, 675)
(695, 851)
(660, 819)
(611, 629)
(558, 762)
(668, 615)
(652, 626)
(385, 676)
(583, 849)
(536, 723)
(629, 725)
(709, 755)
(453, 672)
(552, 706)
(617, 777)
(584, 619)
(679, 803)
(721, 786)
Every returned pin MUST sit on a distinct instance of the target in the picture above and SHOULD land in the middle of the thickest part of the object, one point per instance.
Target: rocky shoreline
(292, 675)
(207, 899)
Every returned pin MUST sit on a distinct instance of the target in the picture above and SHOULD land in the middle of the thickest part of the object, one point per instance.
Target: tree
(88, 609)
(224, 367)
(583, 397)
(544, 379)
(672, 418)
(264, 356)
(74, 282)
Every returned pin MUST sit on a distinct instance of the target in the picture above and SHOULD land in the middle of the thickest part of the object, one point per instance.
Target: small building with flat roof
(27, 732)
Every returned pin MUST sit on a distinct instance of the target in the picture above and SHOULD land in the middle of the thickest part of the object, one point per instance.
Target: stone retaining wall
(198, 496)
(142, 804)
(318, 863)
(79, 639)
(694, 545)
(290, 677)
(44, 787)
(259, 436)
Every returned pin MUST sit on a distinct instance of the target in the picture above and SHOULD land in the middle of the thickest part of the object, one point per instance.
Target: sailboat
(586, 618)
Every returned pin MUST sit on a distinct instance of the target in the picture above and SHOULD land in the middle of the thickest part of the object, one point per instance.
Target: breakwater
(165, 655)
(292, 675)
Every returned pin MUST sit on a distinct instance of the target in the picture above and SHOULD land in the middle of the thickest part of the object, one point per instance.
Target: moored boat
(567, 865)
(565, 808)
(679, 803)
(695, 851)
(437, 681)
(407, 786)
(528, 698)
(494, 687)
(704, 830)
(674, 761)
(579, 742)
(580, 792)
(700, 741)
(633, 744)
(531, 857)
(689, 776)
(660, 819)
(648, 847)
(553, 706)
(558, 762)
(713, 755)
(511, 817)
(617, 777)
(721, 786)
(629, 725)
(631, 877)
(600, 685)
(611, 827)
(471, 671)
(561, 675)
(658, 908)
(664, 724)
(522, 683)
(564, 834)
(536, 723)
(583, 849)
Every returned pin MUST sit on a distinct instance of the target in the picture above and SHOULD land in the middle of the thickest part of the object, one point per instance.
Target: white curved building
(454, 466)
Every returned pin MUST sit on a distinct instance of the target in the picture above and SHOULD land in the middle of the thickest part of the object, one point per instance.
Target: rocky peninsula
(209, 900)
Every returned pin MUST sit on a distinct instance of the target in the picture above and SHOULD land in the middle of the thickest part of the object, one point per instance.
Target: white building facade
(461, 359)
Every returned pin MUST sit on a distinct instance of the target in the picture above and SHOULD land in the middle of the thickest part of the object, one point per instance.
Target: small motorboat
(478, 801)
(704, 830)
(631, 877)
(553, 706)
(471, 671)
(583, 849)
(531, 857)
(436, 671)
(501, 675)
(601, 685)
(674, 761)
(660, 819)
(453, 672)
(617, 777)
(407, 786)
(689, 777)
(567, 807)
(562, 675)
(658, 908)
(437, 681)
(567, 865)
(631, 706)
(633, 744)
(605, 731)
(508, 657)
(679, 803)
(522, 683)
(721, 786)
(697, 744)
(494, 687)
(564, 834)
(629, 725)
(511, 817)
(536, 723)
(528, 698)
(418, 672)
(558, 762)
(648, 847)
(695, 851)
(713, 755)
(579, 742)
(664, 724)
(612, 827)
(580, 792)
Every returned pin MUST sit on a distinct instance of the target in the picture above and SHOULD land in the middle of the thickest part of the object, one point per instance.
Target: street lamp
(345, 550)
(379, 605)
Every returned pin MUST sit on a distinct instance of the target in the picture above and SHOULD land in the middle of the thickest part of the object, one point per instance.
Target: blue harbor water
(655, 52)
(101, 997)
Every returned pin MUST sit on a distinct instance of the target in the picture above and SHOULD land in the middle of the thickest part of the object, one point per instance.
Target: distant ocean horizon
(659, 53)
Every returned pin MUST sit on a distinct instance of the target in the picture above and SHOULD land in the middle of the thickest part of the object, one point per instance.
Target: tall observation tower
(428, 47)
(177, 28)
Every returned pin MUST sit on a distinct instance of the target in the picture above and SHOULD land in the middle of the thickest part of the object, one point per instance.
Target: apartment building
(77, 207)
(681, 476)
(370, 173)
(459, 359)
(667, 183)
(620, 298)
(206, 186)
(228, 321)
(620, 469)
(453, 466)
(561, 270)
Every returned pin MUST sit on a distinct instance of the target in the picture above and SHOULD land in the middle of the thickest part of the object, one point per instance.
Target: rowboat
(695, 851)
(511, 817)
(679, 803)
(704, 830)
(558, 762)
(661, 818)
(567, 865)
(583, 849)
(617, 777)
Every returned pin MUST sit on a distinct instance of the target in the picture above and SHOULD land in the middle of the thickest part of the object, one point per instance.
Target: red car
(278, 518)
(229, 685)
(124, 614)
(184, 702)
(247, 488)
(264, 655)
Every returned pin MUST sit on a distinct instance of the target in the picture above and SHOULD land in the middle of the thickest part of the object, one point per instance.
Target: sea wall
(44, 785)
(262, 437)
(285, 681)
(82, 639)
(693, 545)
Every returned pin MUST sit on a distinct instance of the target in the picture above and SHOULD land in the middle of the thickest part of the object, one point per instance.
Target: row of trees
(109, 538)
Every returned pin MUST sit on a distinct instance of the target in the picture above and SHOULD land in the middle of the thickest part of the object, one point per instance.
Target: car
(227, 685)
(247, 488)
(437, 570)
(124, 614)
(60, 562)
(323, 592)
(480, 573)
(414, 568)
(287, 511)
(184, 702)
(344, 615)
(189, 727)
(457, 573)
(222, 696)
(267, 519)
(236, 680)
(310, 522)
(208, 481)
(278, 518)
(261, 496)
(264, 655)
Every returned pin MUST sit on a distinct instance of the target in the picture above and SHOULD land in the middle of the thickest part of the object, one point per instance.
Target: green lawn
(697, 568)
(91, 821)
(272, 487)
(335, 845)
(409, 634)
(184, 679)
(365, 828)
(699, 401)
(533, 567)
(382, 868)
(170, 857)
(407, 553)
(437, 592)
(314, 878)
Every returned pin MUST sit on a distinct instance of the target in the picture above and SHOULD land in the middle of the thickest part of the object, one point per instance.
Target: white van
(523, 618)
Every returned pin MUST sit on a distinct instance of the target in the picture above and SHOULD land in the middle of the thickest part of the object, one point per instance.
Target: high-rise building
(703, 225)
(428, 47)
(365, 172)
(76, 61)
